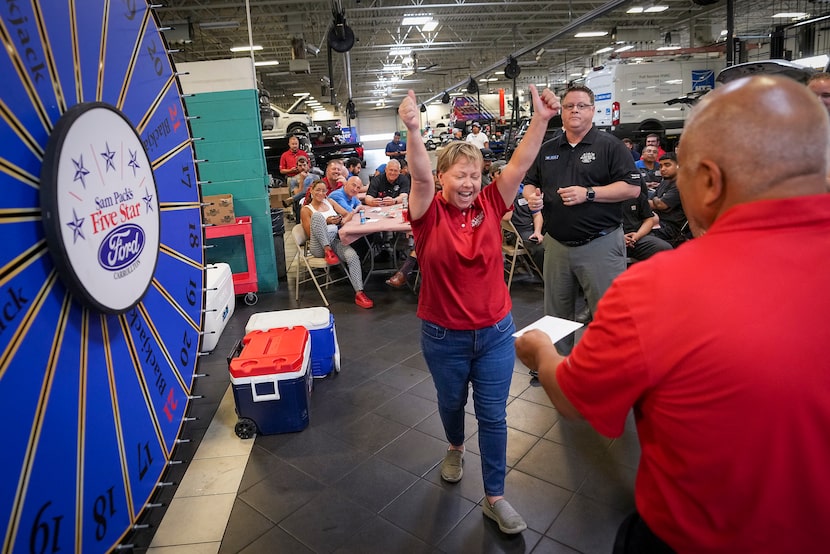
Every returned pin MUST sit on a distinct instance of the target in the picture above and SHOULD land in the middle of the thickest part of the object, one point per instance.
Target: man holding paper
(731, 391)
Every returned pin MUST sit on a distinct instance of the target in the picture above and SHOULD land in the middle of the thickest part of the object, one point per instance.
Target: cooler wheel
(251, 298)
(245, 428)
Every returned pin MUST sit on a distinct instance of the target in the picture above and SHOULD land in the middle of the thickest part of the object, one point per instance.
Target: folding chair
(513, 248)
(308, 263)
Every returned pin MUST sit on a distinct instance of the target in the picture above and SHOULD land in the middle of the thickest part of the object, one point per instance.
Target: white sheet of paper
(555, 327)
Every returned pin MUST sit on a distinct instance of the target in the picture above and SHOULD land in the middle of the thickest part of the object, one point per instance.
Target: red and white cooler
(272, 382)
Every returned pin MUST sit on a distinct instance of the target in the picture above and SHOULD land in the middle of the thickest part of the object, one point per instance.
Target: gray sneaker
(509, 520)
(451, 467)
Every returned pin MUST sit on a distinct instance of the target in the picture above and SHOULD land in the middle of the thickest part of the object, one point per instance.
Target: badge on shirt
(551, 157)
(587, 157)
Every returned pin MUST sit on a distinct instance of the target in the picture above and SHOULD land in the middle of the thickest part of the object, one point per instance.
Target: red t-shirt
(462, 269)
(722, 348)
(289, 159)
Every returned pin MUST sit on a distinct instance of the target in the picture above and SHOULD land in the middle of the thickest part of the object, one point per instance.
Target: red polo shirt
(288, 160)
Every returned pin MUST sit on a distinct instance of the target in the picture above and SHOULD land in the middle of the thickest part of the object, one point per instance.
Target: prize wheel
(101, 270)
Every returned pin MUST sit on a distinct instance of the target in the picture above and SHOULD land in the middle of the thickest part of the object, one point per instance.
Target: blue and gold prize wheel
(101, 270)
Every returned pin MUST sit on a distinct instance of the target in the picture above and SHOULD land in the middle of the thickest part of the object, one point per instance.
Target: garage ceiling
(470, 38)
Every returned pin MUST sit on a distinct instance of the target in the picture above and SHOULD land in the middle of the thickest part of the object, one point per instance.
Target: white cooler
(325, 351)
(219, 303)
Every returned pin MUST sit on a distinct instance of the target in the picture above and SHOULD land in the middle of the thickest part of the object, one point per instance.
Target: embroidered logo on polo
(551, 157)
(587, 157)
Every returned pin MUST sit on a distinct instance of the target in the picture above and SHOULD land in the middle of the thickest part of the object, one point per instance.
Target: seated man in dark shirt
(649, 167)
(666, 203)
(389, 187)
(638, 221)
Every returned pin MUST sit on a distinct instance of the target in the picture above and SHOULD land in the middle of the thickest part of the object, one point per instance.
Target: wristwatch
(591, 194)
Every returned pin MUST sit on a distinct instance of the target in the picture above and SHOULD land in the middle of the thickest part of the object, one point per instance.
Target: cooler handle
(237, 350)
(264, 397)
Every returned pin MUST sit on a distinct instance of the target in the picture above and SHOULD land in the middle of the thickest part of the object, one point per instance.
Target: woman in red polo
(464, 304)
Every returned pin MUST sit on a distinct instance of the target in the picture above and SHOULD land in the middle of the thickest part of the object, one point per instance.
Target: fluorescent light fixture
(429, 26)
(663, 48)
(254, 48)
(392, 67)
(674, 82)
(219, 24)
(603, 50)
(650, 9)
(409, 20)
(541, 84)
(789, 15)
(499, 72)
(400, 51)
(575, 75)
(491, 79)
(300, 94)
(589, 34)
(625, 48)
(816, 62)
(266, 63)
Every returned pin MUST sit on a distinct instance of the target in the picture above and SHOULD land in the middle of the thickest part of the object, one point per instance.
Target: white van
(631, 98)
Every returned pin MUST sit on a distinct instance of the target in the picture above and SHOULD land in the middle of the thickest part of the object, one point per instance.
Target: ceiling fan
(431, 67)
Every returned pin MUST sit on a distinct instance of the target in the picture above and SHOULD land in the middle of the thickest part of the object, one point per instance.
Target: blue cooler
(325, 352)
(272, 382)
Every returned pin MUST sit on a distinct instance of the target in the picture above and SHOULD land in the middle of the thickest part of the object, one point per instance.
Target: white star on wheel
(77, 227)
(133, 162)
(108, 155)
(80, 170)
(148, 199)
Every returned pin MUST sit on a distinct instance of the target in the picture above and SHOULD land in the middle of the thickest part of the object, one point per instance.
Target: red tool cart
(245, 282)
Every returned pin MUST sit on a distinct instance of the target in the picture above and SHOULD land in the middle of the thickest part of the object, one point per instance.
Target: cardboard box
(278, 194)
(219, 209)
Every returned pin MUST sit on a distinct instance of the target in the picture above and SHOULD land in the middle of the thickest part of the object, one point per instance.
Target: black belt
(583, 242)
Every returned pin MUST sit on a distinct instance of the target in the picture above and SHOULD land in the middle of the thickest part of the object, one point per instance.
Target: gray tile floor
(364, 477)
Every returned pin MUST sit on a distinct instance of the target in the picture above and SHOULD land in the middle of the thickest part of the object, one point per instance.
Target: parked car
(335, 150)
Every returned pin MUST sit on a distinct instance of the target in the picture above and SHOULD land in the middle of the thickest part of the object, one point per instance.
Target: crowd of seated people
(652, 223)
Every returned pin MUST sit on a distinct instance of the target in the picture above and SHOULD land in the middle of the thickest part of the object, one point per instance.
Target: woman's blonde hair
(456, 151)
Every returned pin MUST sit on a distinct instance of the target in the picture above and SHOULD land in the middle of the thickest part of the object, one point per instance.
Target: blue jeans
(485, 358)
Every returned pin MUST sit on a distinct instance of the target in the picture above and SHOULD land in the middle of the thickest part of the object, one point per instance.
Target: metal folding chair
(514, 249)
(306, 263)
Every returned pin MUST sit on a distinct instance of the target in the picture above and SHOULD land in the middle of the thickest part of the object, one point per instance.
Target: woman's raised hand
(409, 112)
(545, 104)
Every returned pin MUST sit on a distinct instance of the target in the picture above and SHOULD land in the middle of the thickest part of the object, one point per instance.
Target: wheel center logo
(100, 207)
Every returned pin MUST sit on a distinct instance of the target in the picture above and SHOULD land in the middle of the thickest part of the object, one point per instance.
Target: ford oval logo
(121, 247)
